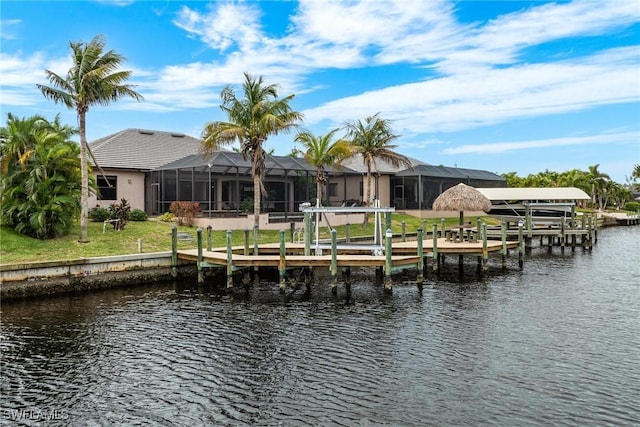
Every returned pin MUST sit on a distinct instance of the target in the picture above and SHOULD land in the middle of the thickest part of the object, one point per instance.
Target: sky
(503, 86)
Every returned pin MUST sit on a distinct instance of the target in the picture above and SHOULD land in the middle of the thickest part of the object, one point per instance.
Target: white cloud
(501, 147)
(495, 95)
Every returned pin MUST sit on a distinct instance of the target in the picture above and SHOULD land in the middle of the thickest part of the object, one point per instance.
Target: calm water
(555, 344)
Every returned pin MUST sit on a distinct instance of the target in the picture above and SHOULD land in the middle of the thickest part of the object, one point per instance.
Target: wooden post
(200, 272)
(348, 232)
(229, 260)
(139, 246)
(307, 233)
(421, 256)
(246, 241)
(292, 228)
(590, 225)
(528, 221)
(520, 246)
(404, 229)
(388, 265)
(485, 252)
(503, 236)
(256, 239)
(387, 224)
(424, 227)
(282, 265)
(174, 251)
(435, 246)
(209, 228)
(442, 231)
(562, 235)
(334, 260)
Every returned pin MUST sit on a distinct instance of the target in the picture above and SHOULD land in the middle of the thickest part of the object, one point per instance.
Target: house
(151, 169)
(127, 159)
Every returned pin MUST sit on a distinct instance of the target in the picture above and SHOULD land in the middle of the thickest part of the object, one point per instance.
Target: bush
(138, 215)
(632, 206)
(99, 214)
(185, 212)
(166, 217)
(120, 211)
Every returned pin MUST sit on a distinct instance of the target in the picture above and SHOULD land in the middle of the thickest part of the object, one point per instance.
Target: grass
(156, 237)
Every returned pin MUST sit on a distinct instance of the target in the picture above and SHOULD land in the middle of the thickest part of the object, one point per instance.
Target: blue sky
(520, 86)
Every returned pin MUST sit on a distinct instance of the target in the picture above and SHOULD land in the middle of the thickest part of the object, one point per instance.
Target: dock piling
(229, 260)
(246, 241)
(520, 246)
(388, 284)
(420, 277)
(404, 231)
(503, 236)
(485, 252)
(334, 260)
(174, 251)
(209, 237)
(348, 232)
(435, 246)
(200, 259)
(282, 265)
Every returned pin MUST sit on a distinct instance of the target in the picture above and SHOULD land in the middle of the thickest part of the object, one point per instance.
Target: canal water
(557, 343)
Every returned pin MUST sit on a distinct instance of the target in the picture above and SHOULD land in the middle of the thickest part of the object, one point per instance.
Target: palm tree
(320, 151)
(94, 78)
(598, 182)
(372, 139)
(251, 120)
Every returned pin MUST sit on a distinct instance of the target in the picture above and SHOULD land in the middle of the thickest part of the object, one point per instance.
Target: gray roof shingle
(142, 149)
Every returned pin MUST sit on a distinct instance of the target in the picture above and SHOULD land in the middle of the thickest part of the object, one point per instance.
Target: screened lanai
(222, 184)
(418, 187)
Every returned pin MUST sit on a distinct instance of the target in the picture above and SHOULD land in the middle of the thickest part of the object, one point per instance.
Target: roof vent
(178, 135)
(146, 132)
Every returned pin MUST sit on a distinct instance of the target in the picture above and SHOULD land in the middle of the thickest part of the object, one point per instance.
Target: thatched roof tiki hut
(462, 198)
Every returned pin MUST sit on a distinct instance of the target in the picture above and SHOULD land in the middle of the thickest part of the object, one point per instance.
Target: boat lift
(377, 248)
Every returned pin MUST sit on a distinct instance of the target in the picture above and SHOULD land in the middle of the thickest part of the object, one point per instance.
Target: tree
(94, 78)
(636, 172)
(598, 181)
(372, 139)
(251, 121)
(320, 151)
(40, 187)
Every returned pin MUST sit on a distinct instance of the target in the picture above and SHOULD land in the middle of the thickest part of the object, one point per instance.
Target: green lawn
(156, 237)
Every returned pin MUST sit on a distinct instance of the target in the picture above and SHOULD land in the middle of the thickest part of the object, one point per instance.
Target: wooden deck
(296, 261)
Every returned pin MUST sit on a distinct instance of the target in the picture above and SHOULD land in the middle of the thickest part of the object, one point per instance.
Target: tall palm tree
(251, 120)
(598, 182)
(95, 78)
(320, 151)
(372, 139)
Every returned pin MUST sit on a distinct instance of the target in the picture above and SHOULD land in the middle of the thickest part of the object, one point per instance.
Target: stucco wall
(130, 186)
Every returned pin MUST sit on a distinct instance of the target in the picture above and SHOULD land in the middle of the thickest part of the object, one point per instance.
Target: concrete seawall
(53, 277)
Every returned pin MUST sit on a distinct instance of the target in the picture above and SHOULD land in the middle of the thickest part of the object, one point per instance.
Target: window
(107, 187)
(332, 191)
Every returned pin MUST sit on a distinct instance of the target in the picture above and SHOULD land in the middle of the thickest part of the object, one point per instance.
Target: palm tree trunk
(84, 171)
(319, 178)
(256, 199)
(368, 198)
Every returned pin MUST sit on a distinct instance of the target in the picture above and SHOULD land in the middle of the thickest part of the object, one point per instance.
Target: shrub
(99, 214)
(138, 215)
(120, 211)
(166, 217)
(632, 206)
(185, 212)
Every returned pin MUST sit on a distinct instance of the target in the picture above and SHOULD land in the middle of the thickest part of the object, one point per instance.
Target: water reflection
(555, 343)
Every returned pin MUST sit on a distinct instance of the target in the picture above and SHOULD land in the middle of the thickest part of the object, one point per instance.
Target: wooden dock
(393, 256)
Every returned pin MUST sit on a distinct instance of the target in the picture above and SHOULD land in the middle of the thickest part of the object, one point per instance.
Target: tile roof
(382, 166)
(142, 149)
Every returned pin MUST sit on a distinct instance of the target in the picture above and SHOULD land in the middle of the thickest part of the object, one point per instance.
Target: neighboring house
(128, 157)
(151, 169)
